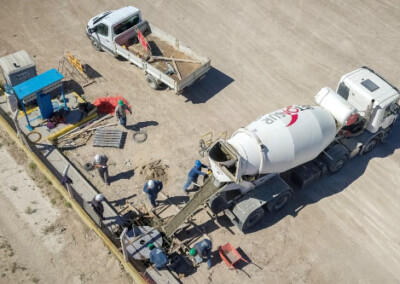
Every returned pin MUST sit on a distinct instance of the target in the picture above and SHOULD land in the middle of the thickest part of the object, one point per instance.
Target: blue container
(45, 105)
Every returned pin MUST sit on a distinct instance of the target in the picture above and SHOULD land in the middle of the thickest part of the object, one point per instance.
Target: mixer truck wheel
(95, 43)
(217, 204)
(370, 145)
(279, 202)
(252, 219)
(337, 165)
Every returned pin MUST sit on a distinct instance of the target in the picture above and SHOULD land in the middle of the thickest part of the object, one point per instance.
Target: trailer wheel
(279, 202)
(152, 82)
(370, 145)
(252, 219)
(95, 43)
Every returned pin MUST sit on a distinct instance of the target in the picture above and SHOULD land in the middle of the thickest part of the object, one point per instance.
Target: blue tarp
(37, 83)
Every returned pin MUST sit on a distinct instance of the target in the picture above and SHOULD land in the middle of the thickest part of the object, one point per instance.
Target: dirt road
(265, 55)
(43, 243)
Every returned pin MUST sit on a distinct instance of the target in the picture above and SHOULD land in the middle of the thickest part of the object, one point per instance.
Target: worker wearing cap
(100, 163)
(194, 173)
(158, 257)
(202, 249)
(152, 188)
(97, 205)
(120, 112)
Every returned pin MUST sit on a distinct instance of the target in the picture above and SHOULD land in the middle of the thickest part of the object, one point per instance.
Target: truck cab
(103, 28)
(375, 99)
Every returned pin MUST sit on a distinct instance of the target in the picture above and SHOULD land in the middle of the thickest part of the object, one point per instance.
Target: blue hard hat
(197, 163)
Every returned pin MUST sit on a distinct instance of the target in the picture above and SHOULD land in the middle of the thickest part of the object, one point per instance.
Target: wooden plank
(176, 59)
(176, 69)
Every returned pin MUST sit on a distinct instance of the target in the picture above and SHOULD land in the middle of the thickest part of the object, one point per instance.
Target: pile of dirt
(153, 170)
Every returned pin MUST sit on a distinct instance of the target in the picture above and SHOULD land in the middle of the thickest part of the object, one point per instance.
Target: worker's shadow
(122, 201)
(207, 87)
(176, 200)
(331, 185)
(138, 126)
(123, 175)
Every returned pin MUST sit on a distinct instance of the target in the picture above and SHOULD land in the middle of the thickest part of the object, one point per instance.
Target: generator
(17, 68)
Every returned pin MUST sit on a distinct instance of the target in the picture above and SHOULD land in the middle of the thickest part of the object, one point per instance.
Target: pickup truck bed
(164, 45)
(163, 48)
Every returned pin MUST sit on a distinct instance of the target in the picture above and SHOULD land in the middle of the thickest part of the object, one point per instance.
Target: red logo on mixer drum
(291, 111)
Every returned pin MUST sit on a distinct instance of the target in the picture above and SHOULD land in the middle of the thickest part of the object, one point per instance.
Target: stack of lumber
(84, 131)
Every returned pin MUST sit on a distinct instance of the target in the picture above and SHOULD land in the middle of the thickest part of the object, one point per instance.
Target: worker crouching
(158, 257)
(200, 250)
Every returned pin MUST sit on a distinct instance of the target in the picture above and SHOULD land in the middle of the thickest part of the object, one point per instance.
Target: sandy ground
(41, 241)
(265, 55)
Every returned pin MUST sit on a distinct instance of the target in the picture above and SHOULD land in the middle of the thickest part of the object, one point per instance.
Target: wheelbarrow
(231, 256)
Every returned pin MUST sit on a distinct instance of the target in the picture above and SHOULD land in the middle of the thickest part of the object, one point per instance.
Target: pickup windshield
(126, 24)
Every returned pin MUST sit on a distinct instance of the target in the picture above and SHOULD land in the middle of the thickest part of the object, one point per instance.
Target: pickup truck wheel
(370, 145)
(279, 202)
(152, 82)
(96, 45)
(253, 218)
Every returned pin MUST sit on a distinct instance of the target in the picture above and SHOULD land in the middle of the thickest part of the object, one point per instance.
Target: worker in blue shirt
(158, 257)
(202, 249)
(152, 188)
(194, 174)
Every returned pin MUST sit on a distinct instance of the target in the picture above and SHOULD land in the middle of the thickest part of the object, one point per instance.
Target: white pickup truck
(169, 62)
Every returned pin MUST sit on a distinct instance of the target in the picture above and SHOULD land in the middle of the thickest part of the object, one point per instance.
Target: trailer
(162, 57)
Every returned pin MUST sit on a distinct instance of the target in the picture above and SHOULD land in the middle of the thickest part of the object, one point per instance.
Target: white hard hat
(151, 184)
(99, 197)
(97, 158)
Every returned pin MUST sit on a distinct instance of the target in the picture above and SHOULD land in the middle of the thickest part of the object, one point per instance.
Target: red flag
(143, 41)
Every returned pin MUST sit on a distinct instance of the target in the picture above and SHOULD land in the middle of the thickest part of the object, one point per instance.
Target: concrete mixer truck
(298, 145)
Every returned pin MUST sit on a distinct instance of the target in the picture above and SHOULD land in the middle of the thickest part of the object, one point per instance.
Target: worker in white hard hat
(100, 163)
(97, 205)
(152, 188)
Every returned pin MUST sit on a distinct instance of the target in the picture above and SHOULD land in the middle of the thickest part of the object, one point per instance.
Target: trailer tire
(371, 144)
(252, 219)
(96, 44)
(279, 202)
(152, 82)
